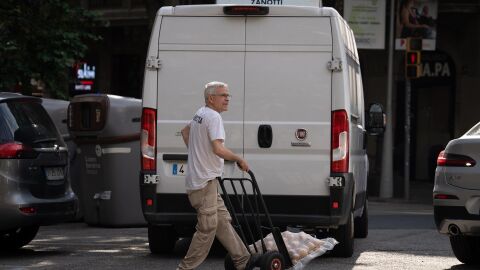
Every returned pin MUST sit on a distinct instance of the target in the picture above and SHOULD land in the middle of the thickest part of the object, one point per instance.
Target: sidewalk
(420, 193)
(420, 202)
(397, 207)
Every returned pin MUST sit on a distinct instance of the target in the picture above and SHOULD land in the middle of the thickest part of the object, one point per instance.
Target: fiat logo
(301, 134)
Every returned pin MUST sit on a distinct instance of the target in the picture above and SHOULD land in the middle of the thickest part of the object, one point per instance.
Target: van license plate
(336, 181)
(179, 169)
(54, 173)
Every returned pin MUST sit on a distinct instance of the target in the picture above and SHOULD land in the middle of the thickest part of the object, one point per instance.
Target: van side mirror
(376, 119)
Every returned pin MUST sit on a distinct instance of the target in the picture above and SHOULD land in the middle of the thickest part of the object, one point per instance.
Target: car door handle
(265, 136)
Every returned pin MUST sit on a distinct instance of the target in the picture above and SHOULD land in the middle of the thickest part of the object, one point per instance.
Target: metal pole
(386, 181)
(408, 98)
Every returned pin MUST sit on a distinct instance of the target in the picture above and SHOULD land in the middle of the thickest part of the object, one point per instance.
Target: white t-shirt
(203, 164)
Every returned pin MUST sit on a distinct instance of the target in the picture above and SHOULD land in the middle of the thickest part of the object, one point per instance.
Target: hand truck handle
(254, 180)
(252, 176)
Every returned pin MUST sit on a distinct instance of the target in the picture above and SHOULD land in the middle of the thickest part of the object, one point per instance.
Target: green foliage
(41, 39)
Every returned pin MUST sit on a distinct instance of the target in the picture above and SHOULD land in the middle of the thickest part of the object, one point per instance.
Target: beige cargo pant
(213, 219)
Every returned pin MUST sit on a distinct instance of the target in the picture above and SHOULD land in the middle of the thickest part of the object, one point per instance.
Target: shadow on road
(181, 248)
(464, 267)
(24, 253)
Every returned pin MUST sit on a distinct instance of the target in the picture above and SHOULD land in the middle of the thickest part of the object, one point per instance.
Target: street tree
(40, 40)
(152, 6)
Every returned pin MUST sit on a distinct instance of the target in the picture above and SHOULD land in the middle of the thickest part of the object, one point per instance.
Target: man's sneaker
(253, 261)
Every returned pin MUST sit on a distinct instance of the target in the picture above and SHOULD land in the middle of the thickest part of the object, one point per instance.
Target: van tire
(161, 239)
(17, 238)
(345, 236)
(361, 223)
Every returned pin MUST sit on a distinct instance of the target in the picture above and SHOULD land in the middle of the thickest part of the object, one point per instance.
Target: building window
(137, 3)
(103, 4)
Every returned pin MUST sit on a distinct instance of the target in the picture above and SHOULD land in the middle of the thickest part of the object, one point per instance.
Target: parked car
(456, 195)
(34, 182)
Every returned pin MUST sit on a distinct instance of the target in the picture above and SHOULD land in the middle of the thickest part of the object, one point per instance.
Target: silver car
(456, 195)
(34, 185)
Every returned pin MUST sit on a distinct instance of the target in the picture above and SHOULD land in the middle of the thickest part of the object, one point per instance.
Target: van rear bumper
(285, 210)
(279, 220)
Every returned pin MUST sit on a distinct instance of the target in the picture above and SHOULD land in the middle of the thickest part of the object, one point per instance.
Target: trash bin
(106, 129)
(57, 110)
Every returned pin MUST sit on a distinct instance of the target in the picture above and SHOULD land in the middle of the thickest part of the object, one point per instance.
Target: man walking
(205, 138)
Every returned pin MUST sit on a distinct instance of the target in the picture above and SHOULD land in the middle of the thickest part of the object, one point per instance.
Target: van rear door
(288, 90)
(194, 51)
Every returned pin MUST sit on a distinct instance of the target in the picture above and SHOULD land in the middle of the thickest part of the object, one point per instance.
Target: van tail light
(148, 139)
(16, 150)
(246, 10)
(454, 160)
(340, 138)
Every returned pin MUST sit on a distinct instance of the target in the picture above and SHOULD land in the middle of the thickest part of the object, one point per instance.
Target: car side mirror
(376, 119)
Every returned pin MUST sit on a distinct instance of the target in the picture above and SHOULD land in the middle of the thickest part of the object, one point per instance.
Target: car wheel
(466, 248)
(344, 235)
(17, 238)
(361, 223)
(161, 239)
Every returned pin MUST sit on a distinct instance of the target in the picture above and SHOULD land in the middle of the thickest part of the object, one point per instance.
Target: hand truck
(248, 212)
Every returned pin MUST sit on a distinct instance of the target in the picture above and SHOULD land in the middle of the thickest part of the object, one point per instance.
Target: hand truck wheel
(272, 260)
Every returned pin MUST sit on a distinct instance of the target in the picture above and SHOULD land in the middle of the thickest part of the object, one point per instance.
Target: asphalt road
(401, 236)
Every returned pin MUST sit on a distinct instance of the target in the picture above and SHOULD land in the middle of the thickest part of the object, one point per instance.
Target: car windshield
(475, 131)
(27, 123)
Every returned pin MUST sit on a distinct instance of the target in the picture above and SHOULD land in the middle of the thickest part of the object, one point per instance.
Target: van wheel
(361, 223)
(466, 248)
(344, 235)
(17, 238)
(161, 239)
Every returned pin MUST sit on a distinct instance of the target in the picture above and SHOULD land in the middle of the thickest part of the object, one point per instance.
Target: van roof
(217, 10)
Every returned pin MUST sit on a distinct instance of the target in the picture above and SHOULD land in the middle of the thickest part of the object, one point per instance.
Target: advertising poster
(367, 20)
(417, 19)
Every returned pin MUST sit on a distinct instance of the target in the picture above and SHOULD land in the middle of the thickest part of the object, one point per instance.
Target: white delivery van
(296, 115)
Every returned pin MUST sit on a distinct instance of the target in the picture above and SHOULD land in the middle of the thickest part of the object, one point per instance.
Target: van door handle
(365, 139)
(265, 136)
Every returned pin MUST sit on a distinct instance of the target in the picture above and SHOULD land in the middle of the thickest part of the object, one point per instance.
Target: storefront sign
(437, 67)
(84, 77)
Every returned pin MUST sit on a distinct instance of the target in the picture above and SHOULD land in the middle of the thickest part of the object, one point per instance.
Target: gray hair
(211, 87)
